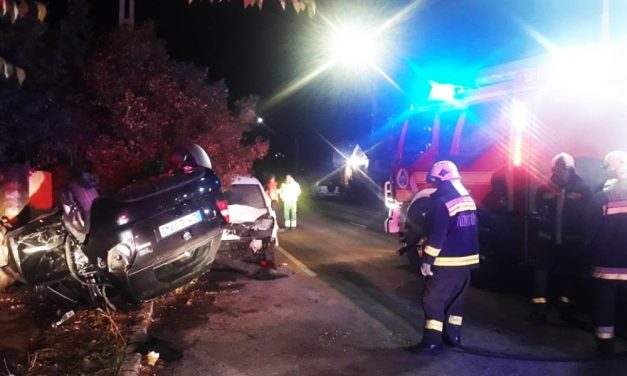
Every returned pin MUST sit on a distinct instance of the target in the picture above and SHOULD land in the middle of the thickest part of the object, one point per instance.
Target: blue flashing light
(445, 92)
(418, 80)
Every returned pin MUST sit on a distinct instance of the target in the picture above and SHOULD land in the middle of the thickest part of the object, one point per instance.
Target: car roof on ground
(238, 180)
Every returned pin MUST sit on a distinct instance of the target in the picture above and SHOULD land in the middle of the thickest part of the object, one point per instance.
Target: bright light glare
(334, 42)
(520, 120)
(588, 69)
(443, 92)
(259, 120)
(353, 46)
(517, 151)
(392, 205)
(519, 116)
(356, 161)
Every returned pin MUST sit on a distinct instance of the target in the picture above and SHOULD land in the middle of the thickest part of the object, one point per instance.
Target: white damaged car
(251, 236)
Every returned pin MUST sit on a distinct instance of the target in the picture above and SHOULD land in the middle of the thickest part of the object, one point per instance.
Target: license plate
(179, 224)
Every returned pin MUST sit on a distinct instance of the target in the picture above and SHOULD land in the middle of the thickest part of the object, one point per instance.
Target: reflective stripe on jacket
(453, 239)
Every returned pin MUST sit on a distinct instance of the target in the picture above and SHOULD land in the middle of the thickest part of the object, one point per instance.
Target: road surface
(348, 306)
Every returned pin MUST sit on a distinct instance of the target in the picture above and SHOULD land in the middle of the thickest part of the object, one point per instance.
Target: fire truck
(503, 131)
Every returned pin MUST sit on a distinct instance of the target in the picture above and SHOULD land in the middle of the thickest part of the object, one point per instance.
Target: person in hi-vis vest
(289, 192)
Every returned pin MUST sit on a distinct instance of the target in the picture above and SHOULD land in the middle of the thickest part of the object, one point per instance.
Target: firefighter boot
(424, 348)
(453, 335)
(605, 346)
(538, 311)
(565, 307)
(431, 343)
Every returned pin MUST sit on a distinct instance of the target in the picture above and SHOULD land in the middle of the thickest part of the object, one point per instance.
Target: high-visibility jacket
(453, 240)
(290, 192)
(609, 229)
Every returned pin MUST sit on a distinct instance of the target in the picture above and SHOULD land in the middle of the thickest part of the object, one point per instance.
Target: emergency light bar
(444, 92)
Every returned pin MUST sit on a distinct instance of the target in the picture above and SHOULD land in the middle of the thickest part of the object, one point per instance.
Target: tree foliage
(35, 117)
(148, 104)
(10, 12)
(299, 5)
(118, 110)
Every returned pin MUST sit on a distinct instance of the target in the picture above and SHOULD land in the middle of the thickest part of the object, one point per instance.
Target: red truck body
(503, 132)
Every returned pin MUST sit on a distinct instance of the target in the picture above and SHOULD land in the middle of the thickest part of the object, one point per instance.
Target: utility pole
(126, 13)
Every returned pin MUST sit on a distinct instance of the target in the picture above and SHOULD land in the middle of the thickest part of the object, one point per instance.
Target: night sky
(260, 51)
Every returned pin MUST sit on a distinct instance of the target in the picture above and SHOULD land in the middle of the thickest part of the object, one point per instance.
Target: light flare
(294, 86)
(386, 77)
(353, 47)
(373, 186)
(399, 17)
(538, 37)
(357, 47)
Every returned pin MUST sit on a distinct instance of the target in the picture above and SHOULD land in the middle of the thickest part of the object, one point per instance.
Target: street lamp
(353, 46)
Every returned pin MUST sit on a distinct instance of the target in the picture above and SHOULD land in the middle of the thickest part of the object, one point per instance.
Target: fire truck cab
(503, 132)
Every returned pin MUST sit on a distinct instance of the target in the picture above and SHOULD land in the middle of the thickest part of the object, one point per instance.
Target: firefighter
(289, 192)
(561, 204)
(452, 249)
(608, 247)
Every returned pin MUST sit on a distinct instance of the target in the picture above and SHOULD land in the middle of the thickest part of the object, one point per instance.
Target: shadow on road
(393, 312)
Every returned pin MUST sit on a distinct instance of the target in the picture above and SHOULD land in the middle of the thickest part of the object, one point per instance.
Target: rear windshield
(246, 194)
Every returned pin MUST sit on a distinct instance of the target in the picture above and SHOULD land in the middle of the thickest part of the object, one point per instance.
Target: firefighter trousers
(604, 301)
(555, 274)
(443, 304)
(289, 214)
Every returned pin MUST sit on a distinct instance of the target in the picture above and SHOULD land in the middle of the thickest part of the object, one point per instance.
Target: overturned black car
(149, 238)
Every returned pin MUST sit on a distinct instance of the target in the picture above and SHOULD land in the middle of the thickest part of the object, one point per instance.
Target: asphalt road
(348, 306)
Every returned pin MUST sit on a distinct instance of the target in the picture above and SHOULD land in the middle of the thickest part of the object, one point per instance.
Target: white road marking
(297, 262)
(357, 224)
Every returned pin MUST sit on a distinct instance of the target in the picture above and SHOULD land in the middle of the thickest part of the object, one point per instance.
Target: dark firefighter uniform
(562, 205)
(416, 230)
(609, 256)
(452, 249)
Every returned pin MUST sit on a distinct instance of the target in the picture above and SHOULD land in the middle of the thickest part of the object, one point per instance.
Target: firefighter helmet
(563, 160)
(615, 164)
(443, 171)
